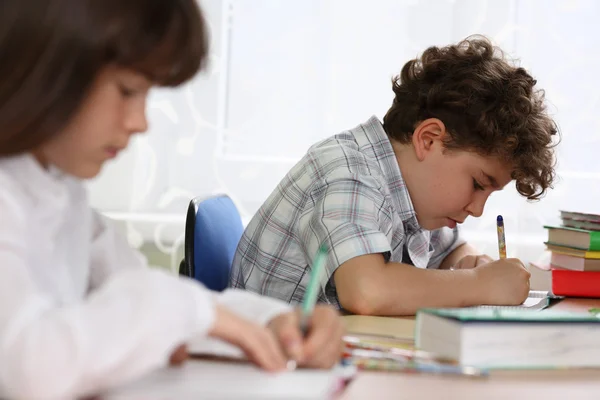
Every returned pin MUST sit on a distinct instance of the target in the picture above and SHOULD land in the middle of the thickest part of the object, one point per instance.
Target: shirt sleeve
(444, 241)
(251, 306)
(127, 327)
(248, 305)
(110, 251)
(351, 216)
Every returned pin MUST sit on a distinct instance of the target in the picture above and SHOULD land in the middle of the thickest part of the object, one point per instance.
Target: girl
(79, 310)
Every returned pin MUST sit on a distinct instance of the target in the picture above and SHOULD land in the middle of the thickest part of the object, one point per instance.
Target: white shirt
(79, 309)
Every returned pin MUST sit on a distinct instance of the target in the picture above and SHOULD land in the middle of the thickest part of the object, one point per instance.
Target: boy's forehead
(497, 172)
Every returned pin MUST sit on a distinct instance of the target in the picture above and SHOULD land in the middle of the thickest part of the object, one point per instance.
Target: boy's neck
(408, 164)
(405, 156)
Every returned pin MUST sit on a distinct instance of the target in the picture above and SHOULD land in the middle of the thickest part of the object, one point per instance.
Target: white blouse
(79, 309)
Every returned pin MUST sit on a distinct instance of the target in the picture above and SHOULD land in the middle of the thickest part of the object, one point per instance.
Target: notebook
(229, 380)
(510, 338)
(536, 301)
(214, 361)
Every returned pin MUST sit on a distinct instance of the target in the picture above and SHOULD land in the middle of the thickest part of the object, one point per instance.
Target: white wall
(285, 74)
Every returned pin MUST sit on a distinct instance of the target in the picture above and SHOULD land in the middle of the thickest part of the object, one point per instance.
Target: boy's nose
(475, 208)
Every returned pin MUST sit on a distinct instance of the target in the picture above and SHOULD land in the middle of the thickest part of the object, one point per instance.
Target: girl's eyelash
(126, 91)
(476, 185)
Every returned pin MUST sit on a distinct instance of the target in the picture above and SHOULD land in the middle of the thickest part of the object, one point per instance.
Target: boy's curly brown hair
(487, 105)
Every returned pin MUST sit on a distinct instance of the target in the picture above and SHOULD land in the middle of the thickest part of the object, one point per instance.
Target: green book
(509, 314)
(572, 237)
(500, 338)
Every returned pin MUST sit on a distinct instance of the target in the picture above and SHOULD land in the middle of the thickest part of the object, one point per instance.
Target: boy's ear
(425, 135)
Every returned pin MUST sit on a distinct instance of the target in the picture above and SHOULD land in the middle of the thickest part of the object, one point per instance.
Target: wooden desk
(554, 384)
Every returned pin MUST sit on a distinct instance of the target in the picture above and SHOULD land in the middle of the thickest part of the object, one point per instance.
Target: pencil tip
(499, 218)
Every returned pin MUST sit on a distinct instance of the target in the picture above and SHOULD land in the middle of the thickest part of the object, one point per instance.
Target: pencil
(310, 296)
(501, 239)
(412, 367)
(354, 346)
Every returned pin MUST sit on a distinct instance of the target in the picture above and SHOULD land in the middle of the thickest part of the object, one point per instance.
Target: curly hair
(487, 105)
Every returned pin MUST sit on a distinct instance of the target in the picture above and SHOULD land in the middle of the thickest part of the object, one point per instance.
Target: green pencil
(312, 291)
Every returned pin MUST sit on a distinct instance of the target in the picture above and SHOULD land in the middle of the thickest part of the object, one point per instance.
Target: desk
(552, 384)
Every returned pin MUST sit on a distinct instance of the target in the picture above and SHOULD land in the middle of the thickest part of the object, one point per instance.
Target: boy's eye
(476, 185)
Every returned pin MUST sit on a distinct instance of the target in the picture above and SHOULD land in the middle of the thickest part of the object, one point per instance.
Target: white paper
(229, 380)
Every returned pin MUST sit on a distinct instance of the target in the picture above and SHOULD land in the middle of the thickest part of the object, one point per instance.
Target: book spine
(575, 283)
(594, 241)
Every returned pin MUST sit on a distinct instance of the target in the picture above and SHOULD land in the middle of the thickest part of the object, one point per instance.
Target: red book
(575, 283)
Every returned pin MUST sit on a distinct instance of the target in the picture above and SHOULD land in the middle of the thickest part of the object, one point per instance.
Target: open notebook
(228, 376)
(204, 379)
(536, 301)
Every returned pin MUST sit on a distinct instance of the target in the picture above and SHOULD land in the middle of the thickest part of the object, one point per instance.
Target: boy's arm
(452, 252)
(457, 254)
(353, 217)
(370, 286)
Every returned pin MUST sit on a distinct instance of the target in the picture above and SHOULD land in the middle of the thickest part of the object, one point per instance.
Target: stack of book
(575, 255)
(488, 338)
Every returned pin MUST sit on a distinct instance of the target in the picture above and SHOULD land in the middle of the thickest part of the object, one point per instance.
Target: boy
(386, 198)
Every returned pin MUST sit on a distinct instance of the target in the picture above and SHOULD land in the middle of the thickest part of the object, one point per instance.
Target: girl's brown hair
(52, 50)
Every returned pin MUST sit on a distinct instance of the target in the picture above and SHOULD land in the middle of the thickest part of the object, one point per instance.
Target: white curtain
(285, 74)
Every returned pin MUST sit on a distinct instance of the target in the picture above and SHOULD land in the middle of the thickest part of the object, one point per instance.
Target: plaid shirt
(348, 193)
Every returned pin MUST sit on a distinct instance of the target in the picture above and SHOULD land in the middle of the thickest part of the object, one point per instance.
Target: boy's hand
(504, 282)
(323, 345)
(258, 343)
(472, 261)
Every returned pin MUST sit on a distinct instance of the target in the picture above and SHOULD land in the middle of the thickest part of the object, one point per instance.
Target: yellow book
(399, 329)
(573, 252)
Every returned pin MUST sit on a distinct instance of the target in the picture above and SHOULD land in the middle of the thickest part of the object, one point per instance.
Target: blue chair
(213, 229)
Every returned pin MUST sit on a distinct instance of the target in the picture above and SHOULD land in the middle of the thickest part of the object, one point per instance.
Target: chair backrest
(213, 230)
